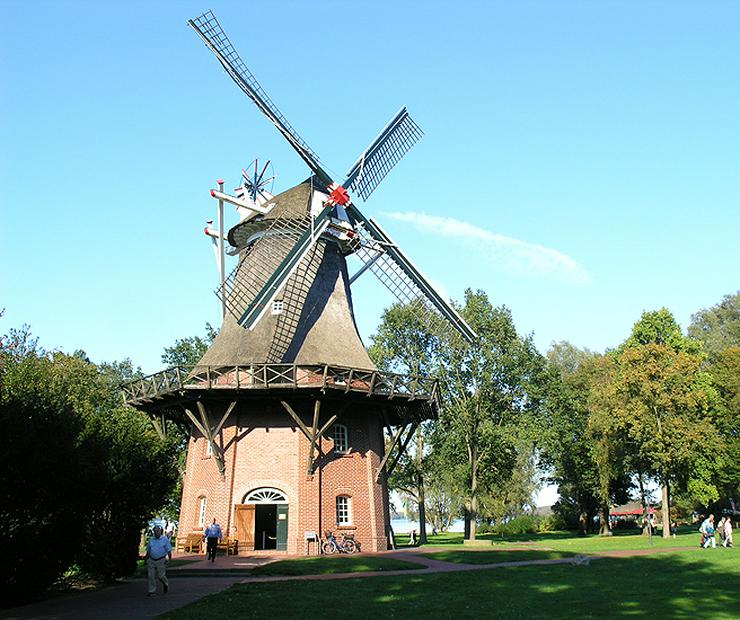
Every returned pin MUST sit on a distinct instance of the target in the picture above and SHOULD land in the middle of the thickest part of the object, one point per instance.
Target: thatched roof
(318, 325)
(294, 202)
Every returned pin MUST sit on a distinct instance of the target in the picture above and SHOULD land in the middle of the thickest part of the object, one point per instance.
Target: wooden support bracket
(210, 433)
(389, 464)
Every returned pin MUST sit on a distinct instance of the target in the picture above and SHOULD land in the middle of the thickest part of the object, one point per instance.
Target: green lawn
(685, 584)
(487, 556)
(325, 565)
(679, 584)
(566, 541)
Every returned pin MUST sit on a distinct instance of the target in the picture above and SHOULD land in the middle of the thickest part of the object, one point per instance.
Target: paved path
(188, 583)
(124, 601)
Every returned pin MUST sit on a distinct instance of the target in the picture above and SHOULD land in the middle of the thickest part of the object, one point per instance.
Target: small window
(344, 514)
(209, 448)
(341, 442)
(202, 512)
(277, 306)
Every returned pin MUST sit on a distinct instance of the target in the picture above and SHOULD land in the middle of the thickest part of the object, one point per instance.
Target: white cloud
(513, 255)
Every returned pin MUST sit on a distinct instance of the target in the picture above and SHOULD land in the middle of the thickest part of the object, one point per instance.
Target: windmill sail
(398, 274)
(383, 154)
(208, 29)
(248, 292)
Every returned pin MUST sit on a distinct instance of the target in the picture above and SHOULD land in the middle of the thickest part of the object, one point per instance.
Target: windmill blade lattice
(384, 259)
(208, 28)
(267, 264)
(383, 154)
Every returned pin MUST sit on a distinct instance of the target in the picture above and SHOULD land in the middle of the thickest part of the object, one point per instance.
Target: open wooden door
(244, 521)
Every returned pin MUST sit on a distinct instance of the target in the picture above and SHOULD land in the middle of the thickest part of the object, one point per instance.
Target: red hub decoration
(339, 196)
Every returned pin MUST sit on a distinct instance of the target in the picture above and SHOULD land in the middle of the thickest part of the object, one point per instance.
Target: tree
(405, 344)
(718, 327)
(565, 447)
(725, 371)
(663, 400)
(188, 351)
(607, 438)
(490, 389)
(77, 467)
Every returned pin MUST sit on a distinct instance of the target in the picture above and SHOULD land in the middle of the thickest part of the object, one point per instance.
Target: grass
(566, 541)
(672, 584)
(330, 565)
(500, 555)
(666, 585)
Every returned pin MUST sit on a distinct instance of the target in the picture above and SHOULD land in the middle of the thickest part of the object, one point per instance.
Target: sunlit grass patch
(329, 565)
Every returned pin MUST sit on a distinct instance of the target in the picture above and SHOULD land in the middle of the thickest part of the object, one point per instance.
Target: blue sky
(580, 159)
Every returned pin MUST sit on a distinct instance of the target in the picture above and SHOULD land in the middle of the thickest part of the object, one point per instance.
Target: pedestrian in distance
(412, 537)
(721, 530)
(213, 536)
(707, 530)
(728, 533)
(158, 552)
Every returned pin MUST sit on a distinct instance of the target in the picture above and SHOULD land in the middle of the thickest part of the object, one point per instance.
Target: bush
(79, 474)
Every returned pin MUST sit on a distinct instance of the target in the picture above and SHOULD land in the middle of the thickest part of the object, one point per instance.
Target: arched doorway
(262, 520)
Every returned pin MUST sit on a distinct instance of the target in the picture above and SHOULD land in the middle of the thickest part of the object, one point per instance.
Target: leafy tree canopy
(718, 327)
(187, 352)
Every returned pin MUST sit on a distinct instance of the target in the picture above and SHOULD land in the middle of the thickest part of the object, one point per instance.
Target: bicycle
(331, 545)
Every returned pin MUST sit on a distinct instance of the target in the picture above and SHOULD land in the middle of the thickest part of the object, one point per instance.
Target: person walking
(213, 536)
(158, 552)
(728, 533)
(707, 530)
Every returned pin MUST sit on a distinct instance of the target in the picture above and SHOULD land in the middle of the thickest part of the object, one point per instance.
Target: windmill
(289, 344)
(337, 216)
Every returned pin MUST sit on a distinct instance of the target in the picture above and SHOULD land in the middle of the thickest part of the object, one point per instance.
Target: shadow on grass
(332, 565)
(675, 585)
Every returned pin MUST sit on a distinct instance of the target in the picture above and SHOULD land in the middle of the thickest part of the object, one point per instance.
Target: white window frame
(202, 512)
(278, 306)
(344, 510)
(209, 448)
(341, 439)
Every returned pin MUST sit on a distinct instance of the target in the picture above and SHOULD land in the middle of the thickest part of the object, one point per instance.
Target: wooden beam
(401, 449)
(218, 453)
(388, 451)
(195, 422)
(314, 435)
(220, 425)
(159, 424)
(296, 419)
(333, 419)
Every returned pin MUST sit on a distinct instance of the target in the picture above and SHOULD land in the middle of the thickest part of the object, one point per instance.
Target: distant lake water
(404, 526)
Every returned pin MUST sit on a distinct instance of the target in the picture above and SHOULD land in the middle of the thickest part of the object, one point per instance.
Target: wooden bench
(192, 544)
(230, 545)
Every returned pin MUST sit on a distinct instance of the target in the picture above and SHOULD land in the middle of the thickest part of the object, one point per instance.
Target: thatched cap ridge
(292, 203)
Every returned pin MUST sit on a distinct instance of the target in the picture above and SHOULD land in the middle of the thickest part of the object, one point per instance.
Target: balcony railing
(278, 376)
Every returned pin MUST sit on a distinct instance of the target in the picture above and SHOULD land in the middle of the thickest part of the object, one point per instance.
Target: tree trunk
(473, 514)
(643, 503)
(466, 514)
(604, 529)
(666, 508)
(420, 487)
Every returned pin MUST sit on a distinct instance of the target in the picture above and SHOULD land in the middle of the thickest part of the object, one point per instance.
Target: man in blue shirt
(158, 551)
(213, 536)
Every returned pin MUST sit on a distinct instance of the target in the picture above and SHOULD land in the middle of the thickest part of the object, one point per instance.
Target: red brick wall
(265, 448)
